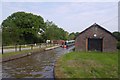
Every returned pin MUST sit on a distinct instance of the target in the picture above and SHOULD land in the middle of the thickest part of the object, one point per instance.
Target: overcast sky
(71, 16)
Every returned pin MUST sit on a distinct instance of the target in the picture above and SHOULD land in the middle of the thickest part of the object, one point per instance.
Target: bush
(118, 45)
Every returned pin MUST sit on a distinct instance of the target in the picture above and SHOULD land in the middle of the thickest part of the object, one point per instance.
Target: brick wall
(109, 42)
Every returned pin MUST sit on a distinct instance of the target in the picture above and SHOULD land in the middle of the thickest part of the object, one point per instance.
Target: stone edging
(51, 48)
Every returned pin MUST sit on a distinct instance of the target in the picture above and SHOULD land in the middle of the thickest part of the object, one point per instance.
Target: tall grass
(88, 65)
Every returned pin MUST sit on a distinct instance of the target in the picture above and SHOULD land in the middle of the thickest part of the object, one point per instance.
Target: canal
(39, 65)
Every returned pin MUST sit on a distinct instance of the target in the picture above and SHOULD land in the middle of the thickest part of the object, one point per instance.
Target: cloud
(71, 16)
(78, 16)
(61, 1)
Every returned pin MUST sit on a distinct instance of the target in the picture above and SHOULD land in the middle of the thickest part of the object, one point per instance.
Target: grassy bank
(15, 55)
(9, 54)
(13, 46)
(87, 65)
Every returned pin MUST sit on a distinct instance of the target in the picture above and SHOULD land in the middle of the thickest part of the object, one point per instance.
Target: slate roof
(96, 25)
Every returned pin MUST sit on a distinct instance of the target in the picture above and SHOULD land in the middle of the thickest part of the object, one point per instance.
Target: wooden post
(40, 45)
(19, 47)
(46, 44)
(15, 47)
(2, 49)
(31, 47)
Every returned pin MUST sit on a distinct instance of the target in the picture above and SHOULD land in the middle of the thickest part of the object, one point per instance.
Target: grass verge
(9, 54)
(87, 65)
(13, 47)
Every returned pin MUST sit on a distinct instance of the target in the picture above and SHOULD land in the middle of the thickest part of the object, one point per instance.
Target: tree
(21, 28)
(117, 35)
(118, 45)
(73, 35)
(76, 34)
(53, 32)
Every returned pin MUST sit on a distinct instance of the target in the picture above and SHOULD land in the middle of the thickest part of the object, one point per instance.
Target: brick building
(95, 38)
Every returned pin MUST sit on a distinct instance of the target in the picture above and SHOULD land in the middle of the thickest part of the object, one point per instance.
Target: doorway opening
(95, 44)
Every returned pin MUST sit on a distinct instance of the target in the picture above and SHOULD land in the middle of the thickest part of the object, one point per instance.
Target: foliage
(53, 32)
(11, 54)
(73, 35)
(117, 35)
(27, 28)
(87, 65)
(118, 45)
(21, 28)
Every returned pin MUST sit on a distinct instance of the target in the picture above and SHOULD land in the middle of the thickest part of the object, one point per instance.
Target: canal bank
(58, 74)
(26, 53)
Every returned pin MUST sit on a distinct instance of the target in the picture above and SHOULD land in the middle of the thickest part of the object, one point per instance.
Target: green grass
(87, 65)
(19, 52)
(13, 47)
(8, 54)
(23, 46)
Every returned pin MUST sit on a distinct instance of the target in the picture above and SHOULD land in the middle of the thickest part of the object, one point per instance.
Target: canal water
(39, 65)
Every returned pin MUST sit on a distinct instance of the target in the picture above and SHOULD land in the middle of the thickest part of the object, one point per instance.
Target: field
(87, 65)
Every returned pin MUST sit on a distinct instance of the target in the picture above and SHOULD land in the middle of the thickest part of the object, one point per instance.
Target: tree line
(27, 28)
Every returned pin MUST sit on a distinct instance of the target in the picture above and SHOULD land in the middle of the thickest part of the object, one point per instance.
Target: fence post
(31, 47)
(19, 47)
(2, 49)
(40, 45)
(15, 47)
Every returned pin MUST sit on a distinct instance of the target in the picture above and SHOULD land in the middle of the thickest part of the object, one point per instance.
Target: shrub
(118, 45)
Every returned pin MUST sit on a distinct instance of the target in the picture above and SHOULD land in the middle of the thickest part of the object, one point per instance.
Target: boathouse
(95, 38)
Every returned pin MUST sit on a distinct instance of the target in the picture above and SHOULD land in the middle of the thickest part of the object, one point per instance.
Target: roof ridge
(96, 25)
